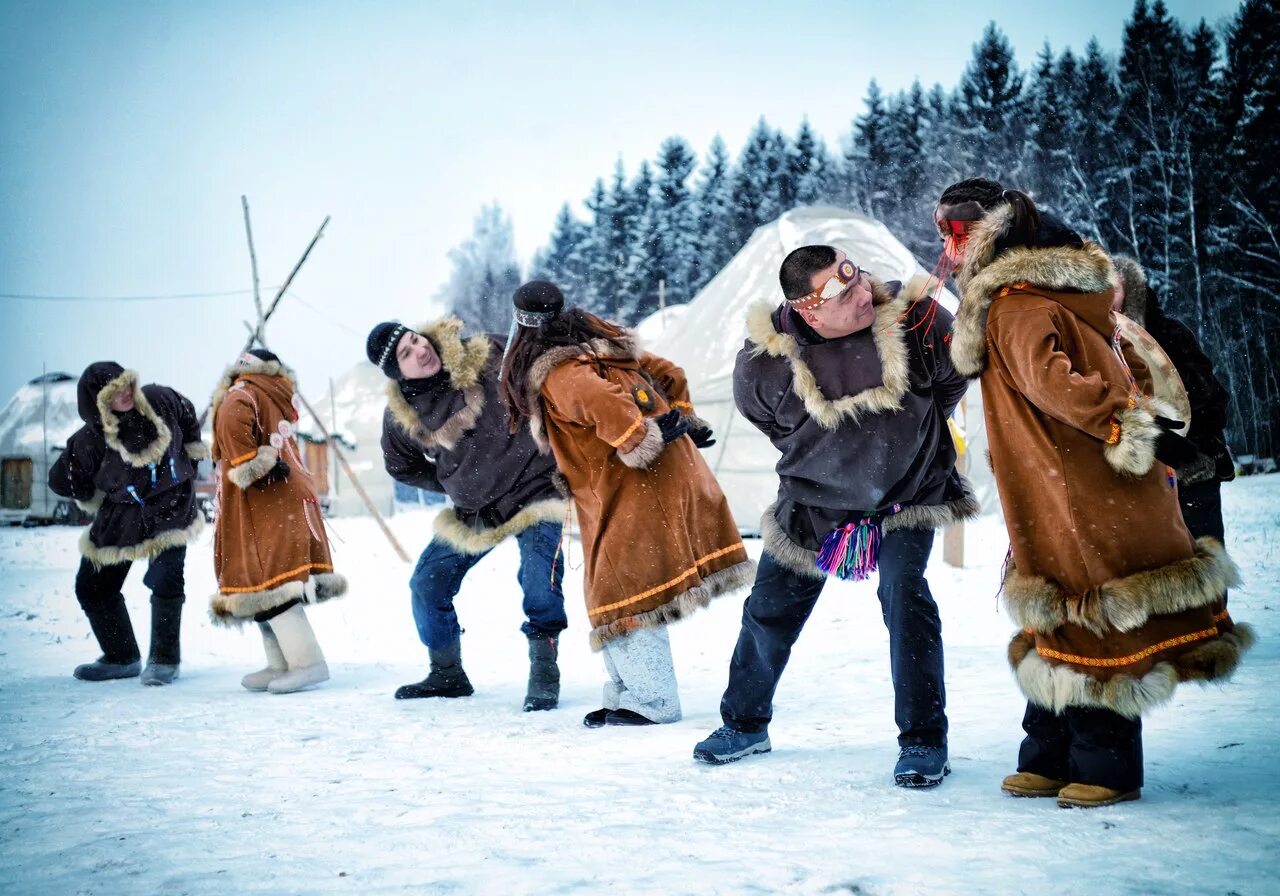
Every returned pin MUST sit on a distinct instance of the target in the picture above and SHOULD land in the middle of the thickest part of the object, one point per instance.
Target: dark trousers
(98, 591)
(1202, 509)
(778, 607)
(437, 579)
(1082, 745)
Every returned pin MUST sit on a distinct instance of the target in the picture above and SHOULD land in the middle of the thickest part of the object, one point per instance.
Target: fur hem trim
(111, 423)
(246, 364)
(785, 552)
(936, 516)
(249, 472)
(466, 540)
(1126, 603)
(144, 550)
(1135, 453)
(982, 275)
(94, 504)
(1134, 280)
(552, 358)
(234, 610)
(1057, 686)
(891, 346)
(464, 362)
(682, 605)
(197, 451)
(642, 456)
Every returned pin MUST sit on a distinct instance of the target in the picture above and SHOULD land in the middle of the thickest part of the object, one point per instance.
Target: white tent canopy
(711, 332)
(34, 428)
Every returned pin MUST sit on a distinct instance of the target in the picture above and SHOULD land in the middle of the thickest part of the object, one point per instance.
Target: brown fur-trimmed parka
(1115, 602)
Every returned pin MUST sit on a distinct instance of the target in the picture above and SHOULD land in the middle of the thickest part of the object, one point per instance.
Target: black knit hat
(381, 347)
(537, 302)
(263, 354)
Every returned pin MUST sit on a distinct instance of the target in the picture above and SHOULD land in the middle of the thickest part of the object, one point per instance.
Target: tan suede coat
(269, 544)
(658, 538)
(1116, 602)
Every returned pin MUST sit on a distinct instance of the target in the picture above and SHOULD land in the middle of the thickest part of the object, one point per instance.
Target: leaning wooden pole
(256, 336)
(351, 474)
(253, 258)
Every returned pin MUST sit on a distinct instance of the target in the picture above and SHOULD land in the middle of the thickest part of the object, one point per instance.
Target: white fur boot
(301, 651)
(276, 665)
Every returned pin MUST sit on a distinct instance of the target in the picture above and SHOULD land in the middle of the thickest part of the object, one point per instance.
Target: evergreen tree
(485, 273)
(644, 263)
(713, 209)
(990, 100)
(676, 220)
(749, 191)
(564, 260)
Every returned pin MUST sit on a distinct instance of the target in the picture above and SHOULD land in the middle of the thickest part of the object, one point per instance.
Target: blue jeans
(780, 604)
(437, 579)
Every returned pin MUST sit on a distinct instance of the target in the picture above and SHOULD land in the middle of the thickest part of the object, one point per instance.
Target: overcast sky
(128, 132)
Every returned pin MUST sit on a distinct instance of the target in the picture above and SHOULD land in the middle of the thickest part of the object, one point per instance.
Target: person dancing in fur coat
(1115, 602)
(133, 466)
(657, 533)
(270, 550)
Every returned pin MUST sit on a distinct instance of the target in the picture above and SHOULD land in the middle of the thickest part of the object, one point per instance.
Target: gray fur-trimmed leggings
(642, 677)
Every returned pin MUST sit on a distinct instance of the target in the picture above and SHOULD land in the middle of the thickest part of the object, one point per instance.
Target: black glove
(1173, 450)
(702, 436)
(673, 426)
(278, 473)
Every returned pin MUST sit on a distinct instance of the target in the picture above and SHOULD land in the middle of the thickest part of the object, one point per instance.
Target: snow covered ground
(203, 787)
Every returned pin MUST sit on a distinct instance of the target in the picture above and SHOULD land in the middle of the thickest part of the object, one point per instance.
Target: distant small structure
(34, 428)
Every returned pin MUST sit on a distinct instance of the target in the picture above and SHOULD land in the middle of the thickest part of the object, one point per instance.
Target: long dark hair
(1028, 226)
(572, 326)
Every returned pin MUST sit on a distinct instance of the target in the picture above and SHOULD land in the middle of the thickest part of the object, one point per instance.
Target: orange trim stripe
(237, 461)
(306, 567)
(626, 435)
(1132, 658)
(681, 404)
(665, 585)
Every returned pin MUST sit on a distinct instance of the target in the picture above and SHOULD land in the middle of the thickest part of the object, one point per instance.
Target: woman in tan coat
(269, 550)
(656, 530)
(1115, 602)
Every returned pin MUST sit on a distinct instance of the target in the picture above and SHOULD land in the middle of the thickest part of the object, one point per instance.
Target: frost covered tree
(485, 273)
(713, 215)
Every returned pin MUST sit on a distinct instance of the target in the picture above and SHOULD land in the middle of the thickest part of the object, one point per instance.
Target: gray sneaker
(729, 745)
(921, 766)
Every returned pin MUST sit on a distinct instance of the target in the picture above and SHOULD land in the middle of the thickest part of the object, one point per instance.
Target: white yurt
(34, 428)
(712, 329)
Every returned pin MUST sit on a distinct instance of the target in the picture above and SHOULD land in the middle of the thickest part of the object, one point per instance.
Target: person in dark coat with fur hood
(1115, 602)
(851, 381)
(270, 549)
(1200, 479)
(446, 430)
(133, 466)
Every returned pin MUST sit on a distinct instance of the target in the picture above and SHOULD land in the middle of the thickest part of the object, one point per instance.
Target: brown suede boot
(1089, 796)
(1031, 784)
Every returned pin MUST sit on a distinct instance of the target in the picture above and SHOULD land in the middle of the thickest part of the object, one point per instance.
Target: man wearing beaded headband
(446, 430)
(850, 379)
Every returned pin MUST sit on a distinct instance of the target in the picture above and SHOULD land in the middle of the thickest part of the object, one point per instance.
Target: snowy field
(204, 788)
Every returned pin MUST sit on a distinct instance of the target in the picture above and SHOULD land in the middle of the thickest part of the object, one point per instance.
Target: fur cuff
(1135, 453)
(466, 540)
(92, 505)
(249, 472)
(711, 586)
(785, 552)
(643, 455)
(197, 451)
(1057, 686)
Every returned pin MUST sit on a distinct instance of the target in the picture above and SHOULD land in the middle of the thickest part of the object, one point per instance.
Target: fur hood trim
(1056, 687)
(891, 346)
(466, 540)
(234, 610)
(712, 586)
(552, 358)
(247, 364)
(1134, 280)
(1086, 270)
(144, 550)
(464, 362)
(804, 562)
(1126, 603)
(111, 423)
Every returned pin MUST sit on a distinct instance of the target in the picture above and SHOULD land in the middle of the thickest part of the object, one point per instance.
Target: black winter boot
(544, 674)
(166, 627)
(109, 619)
(447, 679)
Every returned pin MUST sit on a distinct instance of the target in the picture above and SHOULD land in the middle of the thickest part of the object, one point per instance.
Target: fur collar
(1086, 270)
(464, 363)
(111, 423)
(246, 364)
(1135, 288)
(552, 358)
(891, 346)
